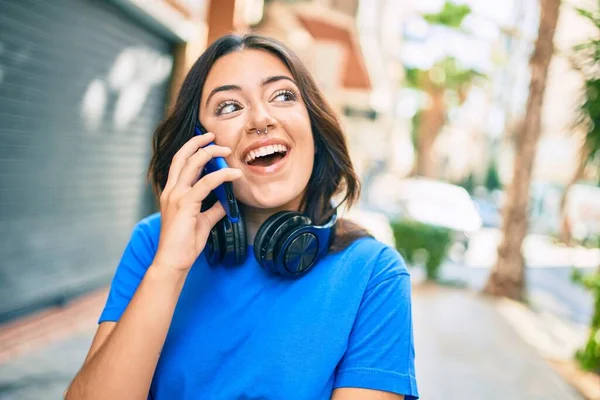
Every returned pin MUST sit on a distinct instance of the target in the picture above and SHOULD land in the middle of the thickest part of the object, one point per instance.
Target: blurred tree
(586, 59)
(507, 277)
(444, 77)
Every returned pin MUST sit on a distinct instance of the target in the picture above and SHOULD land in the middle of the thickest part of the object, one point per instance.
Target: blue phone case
(223, 192)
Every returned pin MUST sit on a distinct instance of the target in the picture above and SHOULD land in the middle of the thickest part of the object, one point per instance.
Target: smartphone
(223, 192)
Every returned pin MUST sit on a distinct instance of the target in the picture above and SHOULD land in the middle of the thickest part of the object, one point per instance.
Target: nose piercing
(258, 130)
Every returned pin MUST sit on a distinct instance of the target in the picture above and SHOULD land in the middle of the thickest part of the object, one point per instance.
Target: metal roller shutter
(82, 87)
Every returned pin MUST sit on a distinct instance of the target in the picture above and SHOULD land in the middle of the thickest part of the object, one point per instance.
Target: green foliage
(415, 238)
(446, 73)
(413, 77)
(451, 15)
(454, 76)
(590, 110)
(589, 356)
(492, 179)
(586, 59)
(416, 120)
(592, 47)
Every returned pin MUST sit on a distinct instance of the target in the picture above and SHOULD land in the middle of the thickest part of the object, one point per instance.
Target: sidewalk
(40, 354)
(465, 349)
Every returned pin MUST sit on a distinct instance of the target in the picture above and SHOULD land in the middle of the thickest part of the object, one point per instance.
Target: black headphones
(287, 243)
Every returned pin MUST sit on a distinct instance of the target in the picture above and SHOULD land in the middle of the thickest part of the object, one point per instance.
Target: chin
(272, 199)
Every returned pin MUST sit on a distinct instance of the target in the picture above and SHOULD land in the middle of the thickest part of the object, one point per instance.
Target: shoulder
(379, 260)
(148, 227)
(141, 248)
(135, 260)
(145, 234)
(149, 224)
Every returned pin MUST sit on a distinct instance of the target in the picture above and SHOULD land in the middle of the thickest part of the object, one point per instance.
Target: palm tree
(444, 76)
(508, 274)
(587, 61)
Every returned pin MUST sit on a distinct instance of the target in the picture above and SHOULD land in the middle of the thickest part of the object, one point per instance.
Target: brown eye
(285, 96)
(227, 107)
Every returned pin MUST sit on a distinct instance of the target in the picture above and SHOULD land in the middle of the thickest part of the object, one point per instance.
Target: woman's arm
(123, 366)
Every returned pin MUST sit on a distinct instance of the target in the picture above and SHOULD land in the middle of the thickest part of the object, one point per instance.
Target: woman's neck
(255, 217)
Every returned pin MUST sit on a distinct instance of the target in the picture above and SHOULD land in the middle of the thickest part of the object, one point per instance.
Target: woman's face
(252, 90)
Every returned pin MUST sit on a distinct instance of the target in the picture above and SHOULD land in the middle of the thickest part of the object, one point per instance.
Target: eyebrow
(223, 88)
(276, 78)
(266, 81)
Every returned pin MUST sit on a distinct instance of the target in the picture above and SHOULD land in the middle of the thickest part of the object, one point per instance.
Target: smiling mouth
(266, 156)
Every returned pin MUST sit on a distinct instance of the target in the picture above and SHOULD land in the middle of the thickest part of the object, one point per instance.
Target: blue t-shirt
(241, 333)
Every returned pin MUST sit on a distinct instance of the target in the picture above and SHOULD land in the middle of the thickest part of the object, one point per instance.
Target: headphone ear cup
(264, 230)
(239, 232)
(274, 231)
(214, 244)
(232, 238)
(226, 243)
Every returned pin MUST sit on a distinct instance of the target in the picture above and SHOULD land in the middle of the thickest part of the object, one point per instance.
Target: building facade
(83, 85)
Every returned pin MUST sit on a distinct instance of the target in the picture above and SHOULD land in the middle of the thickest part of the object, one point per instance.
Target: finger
(210, 182)
(182, 155)
(214, 214)
(193, 167)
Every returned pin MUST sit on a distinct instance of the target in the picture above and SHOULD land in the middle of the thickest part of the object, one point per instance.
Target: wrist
(164, 273)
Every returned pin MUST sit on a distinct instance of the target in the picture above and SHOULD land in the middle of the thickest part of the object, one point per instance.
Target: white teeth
(264, 151)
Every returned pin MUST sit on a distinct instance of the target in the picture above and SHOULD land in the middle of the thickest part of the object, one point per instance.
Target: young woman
(280, 305)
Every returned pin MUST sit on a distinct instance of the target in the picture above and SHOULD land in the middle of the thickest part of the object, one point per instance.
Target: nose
(260, 120)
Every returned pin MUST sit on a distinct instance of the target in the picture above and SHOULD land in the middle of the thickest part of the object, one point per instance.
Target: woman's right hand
(184, 229)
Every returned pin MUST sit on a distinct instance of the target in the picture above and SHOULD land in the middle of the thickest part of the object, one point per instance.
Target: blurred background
(474, 126)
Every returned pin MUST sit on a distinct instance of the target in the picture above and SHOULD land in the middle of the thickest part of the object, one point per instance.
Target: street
(548, 276)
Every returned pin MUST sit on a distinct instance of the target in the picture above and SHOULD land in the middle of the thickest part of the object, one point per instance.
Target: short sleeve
(137, 257)
(380, 353)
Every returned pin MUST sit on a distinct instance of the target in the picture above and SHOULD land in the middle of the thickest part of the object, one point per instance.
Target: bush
(589, 356)
(414, 239)
(492, 178)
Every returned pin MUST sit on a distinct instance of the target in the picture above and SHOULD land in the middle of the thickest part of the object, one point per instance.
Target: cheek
(297, 125)
(227, 134)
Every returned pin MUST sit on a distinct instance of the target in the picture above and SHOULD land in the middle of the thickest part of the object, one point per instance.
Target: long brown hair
(332, 172)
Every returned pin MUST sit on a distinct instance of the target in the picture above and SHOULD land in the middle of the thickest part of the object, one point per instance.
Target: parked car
(430, 202)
